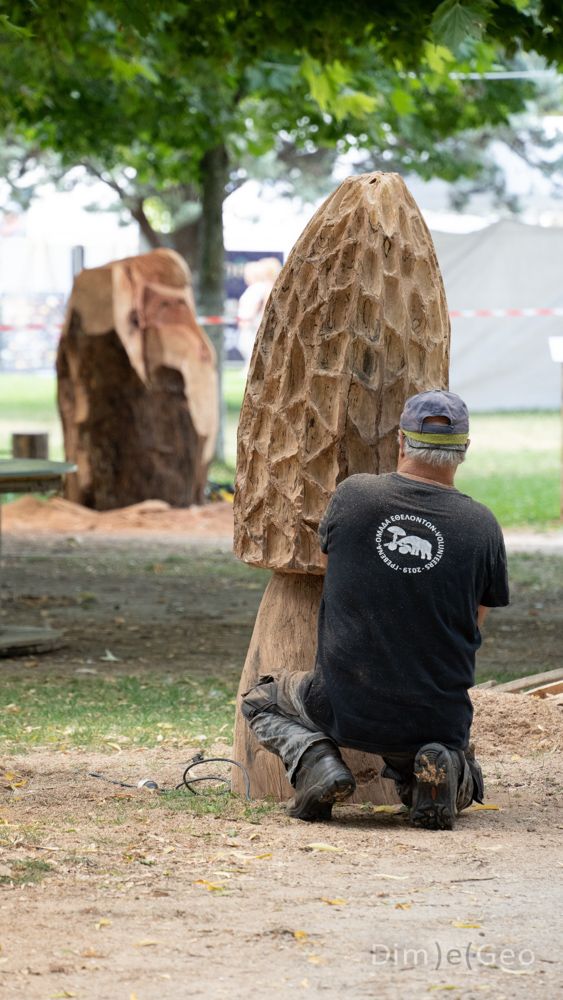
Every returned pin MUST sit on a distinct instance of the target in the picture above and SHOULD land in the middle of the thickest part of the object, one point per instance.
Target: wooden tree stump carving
(137, 385)
(356, 323)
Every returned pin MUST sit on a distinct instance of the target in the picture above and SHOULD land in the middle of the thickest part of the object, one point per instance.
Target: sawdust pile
(515, 723)
(30, 515)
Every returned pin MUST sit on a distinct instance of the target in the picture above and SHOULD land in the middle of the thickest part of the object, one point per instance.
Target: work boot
(322, 780)
(437, 772)
(403, 782)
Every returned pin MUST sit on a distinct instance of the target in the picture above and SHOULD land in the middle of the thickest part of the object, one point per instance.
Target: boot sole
(433, 805)
(318, 801)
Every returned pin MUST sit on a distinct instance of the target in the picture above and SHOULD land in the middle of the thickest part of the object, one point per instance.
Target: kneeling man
(413, 566)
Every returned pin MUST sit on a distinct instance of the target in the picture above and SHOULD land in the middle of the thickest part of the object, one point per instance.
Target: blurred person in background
(259, 276)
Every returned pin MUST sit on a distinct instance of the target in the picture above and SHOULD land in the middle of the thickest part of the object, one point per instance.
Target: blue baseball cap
(436, 403)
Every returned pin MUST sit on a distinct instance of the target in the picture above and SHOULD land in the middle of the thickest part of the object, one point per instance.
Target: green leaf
(437, 57)
(319, 82)
(328, 87)
(402, 102)
(454, 22)
(14, 29)
(129, 69)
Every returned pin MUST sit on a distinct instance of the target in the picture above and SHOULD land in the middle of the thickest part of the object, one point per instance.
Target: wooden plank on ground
(547, 689)
(534, 680)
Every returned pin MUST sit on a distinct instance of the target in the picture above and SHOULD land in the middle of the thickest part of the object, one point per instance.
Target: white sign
(556, 348)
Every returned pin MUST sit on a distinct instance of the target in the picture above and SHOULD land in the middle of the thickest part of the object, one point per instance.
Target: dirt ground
(142, 900)
(109, 892)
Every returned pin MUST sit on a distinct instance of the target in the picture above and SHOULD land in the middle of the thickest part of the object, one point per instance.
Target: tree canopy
(174, 102)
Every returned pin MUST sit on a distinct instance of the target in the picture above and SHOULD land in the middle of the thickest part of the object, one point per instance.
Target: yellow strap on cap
(437, 438)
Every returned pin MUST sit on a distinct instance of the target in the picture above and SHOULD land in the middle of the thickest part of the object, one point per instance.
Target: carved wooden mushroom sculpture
(137, 385)
(356, 323)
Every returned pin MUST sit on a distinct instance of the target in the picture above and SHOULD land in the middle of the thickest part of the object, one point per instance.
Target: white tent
(504, 363)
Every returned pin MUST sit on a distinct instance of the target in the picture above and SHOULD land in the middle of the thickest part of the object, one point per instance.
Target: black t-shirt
(409, 563)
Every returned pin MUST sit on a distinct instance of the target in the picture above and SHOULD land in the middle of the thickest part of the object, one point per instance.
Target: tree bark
(214, 174)
(141, 443)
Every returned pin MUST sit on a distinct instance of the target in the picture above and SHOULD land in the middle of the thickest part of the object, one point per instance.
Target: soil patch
(28, 515)
(132, 894)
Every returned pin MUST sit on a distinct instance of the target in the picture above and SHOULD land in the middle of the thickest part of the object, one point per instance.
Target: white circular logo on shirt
(409, 544)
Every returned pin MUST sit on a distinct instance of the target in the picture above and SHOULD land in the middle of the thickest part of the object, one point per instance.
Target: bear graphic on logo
(408, 544)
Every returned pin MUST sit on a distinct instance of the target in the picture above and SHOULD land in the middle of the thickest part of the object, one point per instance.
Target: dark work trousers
(275, 712)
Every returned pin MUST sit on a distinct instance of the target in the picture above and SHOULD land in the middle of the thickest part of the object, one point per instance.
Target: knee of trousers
(261, 698)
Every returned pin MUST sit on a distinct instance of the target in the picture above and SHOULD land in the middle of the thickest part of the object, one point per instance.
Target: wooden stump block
(30, 446)
(137, 385)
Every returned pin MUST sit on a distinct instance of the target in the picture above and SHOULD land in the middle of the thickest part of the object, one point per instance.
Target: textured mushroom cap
(356, 323)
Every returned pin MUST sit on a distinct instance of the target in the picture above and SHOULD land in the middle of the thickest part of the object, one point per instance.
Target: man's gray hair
(441, 457)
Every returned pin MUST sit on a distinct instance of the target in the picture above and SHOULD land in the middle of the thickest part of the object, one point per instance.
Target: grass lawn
(125, 711)
(513, 466)
(147, 708)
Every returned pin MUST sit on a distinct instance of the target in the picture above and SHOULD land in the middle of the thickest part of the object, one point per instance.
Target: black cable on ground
(198, 759)
(186, 782)
(110, 780)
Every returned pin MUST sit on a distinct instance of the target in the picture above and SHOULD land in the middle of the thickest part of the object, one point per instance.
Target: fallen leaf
(478, 807)
(258, 856)
(145, 944)
(102, 923)
(516, 757)
(403, 906)
(165, 975)
(305, 984)
(11, 775)
(18, 784)
(108, 656)
(320, 847)
(333, 902)
(31, 663)
(385, 809)
(65, 993)
(115, 746)
(300, 935)
(457, 923)
(518, 972)
(316, 960)
(430, 988)
(396, 878)
(212, 886)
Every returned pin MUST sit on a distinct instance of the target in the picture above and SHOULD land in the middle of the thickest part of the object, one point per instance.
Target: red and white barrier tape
(502, 313)
(454, 314)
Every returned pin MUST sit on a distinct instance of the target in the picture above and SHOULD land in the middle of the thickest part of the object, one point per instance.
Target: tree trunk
(214, 174)
(285, 635)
